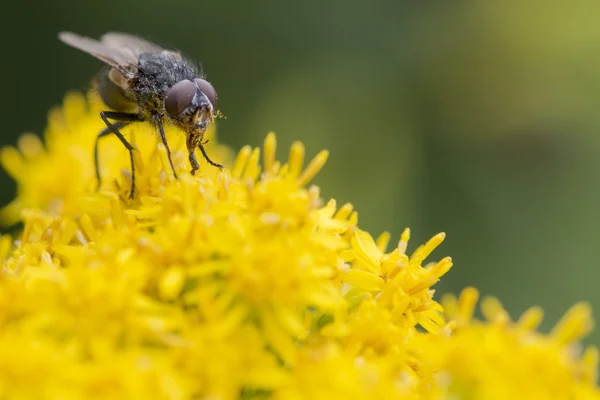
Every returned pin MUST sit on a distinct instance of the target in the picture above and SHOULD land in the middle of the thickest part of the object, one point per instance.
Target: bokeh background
(477, 118)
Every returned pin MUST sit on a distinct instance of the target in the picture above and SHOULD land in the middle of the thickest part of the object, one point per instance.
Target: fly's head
(191, 104)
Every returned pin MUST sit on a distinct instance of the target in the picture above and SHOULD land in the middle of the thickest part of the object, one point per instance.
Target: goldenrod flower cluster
(241, 283)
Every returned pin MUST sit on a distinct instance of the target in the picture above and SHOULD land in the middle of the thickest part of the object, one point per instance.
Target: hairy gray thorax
(156, 74)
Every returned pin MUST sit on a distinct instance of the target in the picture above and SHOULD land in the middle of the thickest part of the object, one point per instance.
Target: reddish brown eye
(179, 97)
(208, 90)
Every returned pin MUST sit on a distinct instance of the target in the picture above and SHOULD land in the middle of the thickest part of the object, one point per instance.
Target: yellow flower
(399, 283)
(221, 267)
(53, 175)
(329, 372)
(239, 283)
(500, 359)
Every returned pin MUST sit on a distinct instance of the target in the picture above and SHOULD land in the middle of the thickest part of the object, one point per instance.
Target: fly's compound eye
(208, 90)
(179, 97)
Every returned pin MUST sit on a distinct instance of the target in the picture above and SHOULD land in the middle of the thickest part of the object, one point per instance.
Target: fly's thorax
(156, 74)
(160, 71)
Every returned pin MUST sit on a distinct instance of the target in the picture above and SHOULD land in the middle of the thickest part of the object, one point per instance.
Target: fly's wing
(122, 59)
(135, 45)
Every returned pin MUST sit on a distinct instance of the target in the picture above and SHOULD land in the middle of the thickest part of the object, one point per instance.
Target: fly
(146, 83)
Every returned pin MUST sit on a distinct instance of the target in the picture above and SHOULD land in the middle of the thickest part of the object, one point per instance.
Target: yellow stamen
(5, 246)
(466, 304)
(290, 321)
(74, 105)
(424, 251)
(366, 250)
(252, 168)
(12, 161)
(441, 268)
(576, 323)
(353, 218)
(344, 211)
(531, 318)
(403, 243)
(492, 310)
(30, 145)
(329, 208)
(363, 280)
(11, 213)
(231, 321)
(88, 227)
(296, 159)
(283, 169)
(116, 210)
(270, 147)
(279, 339)
(67, 231)
(428, 324)
(240, 162)
(450, 305)
(382, 241)
(275, 168)
(30, 222)
(589, 365)
(313, 168)
(171, 283)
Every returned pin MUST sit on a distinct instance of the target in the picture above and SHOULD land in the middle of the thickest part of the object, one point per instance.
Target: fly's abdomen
(114, 96)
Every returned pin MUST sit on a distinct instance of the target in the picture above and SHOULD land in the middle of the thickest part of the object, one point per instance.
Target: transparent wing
(133, 43)
(136, 45)
(123, 60)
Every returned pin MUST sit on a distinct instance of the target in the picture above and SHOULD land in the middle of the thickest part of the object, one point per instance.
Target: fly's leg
(156, 120)
(192, 142)
(105, 132)
(211, 162)
(122, 120)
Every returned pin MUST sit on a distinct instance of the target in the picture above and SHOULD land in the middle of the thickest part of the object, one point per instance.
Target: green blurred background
(477, 118)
